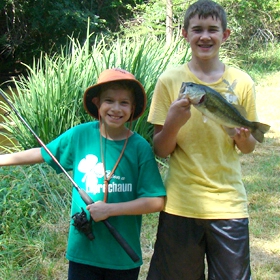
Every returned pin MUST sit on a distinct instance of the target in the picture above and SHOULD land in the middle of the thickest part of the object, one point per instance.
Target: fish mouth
(198, 100)
(201, 99)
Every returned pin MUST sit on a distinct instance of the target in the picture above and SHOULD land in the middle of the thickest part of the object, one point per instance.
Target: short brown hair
(204, 9)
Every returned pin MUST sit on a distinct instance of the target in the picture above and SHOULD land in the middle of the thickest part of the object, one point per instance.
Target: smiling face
(205, 36)
(116, 105)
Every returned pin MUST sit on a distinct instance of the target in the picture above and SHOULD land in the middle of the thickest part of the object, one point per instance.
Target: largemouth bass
(215, 107)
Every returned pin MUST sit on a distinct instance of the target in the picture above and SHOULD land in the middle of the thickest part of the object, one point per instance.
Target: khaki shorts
(183, 245)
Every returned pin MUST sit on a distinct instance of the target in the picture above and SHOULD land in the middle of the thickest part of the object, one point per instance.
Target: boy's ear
(226, 34)
(185, 34)
(96, 101)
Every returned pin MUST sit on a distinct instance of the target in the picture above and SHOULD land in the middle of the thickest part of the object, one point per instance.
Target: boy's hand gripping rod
(85, 197)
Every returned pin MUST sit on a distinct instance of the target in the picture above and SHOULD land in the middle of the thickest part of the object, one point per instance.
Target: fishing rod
(85, 197)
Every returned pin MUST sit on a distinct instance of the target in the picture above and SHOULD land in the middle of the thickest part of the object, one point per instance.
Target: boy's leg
(84, 272)
(129, 274)
(227, 252)
(179, 249)
(79, 271)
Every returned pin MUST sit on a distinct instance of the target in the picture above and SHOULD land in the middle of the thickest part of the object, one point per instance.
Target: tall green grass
(263, 61)
(34, 223)
(50, 97)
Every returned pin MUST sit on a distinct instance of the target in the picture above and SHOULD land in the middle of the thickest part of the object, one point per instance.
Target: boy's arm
(30, 156)
(165, 136)
(101, 211)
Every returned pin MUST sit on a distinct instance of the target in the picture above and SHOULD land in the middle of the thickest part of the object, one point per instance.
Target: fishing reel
(82, 224)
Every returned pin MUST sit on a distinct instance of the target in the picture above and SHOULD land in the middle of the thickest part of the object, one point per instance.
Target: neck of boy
(110, 133)
(207, 71)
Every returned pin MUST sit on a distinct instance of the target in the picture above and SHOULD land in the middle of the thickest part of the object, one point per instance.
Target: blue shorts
(182, 244)
(79, 271)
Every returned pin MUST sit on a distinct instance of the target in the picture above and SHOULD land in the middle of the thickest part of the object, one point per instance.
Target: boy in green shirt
(115, 167)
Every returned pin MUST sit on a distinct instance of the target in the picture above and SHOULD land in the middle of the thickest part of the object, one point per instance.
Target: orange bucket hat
(113, 75)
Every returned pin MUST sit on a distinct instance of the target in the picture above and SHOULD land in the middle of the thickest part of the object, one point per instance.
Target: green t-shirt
(136, 175)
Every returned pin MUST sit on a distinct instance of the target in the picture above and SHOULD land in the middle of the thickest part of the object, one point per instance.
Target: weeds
(34, 208)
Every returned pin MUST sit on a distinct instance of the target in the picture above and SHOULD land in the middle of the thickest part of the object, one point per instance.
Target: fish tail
(260, 130)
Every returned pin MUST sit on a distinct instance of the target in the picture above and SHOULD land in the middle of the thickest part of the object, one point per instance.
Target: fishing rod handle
(122, 241)
(87, 199)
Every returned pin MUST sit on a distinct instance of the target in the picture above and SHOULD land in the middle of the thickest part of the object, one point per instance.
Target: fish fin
(259, 132)
(240, 109)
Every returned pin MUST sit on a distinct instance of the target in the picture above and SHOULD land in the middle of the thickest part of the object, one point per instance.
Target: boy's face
(116, 106)
(205, 36)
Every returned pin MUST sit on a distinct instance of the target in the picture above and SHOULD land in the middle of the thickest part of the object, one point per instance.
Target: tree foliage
(253, 23)
(28, 27)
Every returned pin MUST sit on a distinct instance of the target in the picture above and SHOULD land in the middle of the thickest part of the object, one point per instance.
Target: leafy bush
(31, 26)
(254, 24)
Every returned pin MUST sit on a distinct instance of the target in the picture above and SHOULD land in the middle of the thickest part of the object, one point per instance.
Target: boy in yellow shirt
(206, 205)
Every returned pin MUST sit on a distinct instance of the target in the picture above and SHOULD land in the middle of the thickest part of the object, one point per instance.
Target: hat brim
(93, 91)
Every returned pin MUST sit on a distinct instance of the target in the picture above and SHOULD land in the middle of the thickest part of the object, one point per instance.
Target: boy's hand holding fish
(179, 112)
(230, 131)
(237, 133)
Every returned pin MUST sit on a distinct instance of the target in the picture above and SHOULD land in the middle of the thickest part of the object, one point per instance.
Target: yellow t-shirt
(204, 177)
